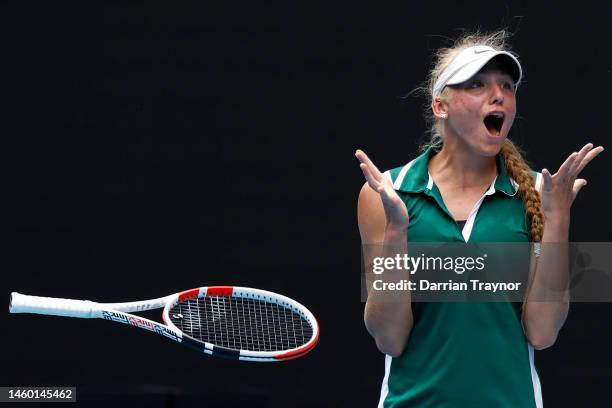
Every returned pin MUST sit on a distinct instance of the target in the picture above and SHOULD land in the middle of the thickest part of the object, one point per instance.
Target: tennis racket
(222, 321)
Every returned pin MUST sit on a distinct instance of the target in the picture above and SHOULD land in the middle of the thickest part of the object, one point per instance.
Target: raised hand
(395, 209)
(560, 189)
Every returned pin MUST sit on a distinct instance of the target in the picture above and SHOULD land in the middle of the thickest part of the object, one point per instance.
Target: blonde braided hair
(519, 171)
(516, 167)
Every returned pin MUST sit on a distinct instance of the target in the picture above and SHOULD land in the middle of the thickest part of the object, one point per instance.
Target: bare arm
(543, 319)
(383, 223)
(547, 302)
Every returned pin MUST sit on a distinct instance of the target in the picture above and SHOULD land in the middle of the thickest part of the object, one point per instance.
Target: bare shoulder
(370, 215)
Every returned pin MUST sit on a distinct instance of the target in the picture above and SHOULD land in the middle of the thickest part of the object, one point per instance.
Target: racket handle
(51, 306)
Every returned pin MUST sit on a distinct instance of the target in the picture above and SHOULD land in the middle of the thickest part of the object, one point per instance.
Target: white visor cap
(471, 60)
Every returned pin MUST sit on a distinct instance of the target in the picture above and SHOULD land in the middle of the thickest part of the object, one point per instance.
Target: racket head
(242, 323)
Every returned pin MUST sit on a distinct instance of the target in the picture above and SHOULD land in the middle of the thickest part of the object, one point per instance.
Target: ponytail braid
(518, 170)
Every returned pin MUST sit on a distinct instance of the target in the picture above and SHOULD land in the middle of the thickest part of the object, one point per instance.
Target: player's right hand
(395, 209)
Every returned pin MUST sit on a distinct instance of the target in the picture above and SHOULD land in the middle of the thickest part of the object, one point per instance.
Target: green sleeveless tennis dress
(462, 355)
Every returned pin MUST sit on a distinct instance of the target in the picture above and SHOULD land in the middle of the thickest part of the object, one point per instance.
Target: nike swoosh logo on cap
(480, 50)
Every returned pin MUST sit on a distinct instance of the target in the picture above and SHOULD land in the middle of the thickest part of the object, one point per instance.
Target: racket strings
(241, 323)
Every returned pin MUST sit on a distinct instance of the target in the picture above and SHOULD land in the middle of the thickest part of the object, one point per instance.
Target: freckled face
(481, 110)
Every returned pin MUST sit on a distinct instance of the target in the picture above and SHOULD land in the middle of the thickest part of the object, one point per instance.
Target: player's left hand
(560, 189)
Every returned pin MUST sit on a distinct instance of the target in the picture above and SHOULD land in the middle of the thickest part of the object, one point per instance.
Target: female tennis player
(470, 184)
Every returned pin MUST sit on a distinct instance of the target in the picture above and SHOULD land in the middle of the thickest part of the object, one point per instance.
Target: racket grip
(51, 306)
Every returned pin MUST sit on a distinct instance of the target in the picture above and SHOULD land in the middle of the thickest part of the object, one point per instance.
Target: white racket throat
(222, 321)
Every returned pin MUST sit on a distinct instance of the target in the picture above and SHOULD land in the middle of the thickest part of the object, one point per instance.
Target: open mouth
(494, 122)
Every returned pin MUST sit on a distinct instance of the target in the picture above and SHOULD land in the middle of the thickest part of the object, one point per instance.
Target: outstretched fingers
(547, 180)
(588, 157)
(376, 180)
(578, 184)
(372, 181)
(364, 159)
(580, 155)
(566, 168)
(570, 169)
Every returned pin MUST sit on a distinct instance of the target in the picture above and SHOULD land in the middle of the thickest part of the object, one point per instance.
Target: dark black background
(151, 147)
